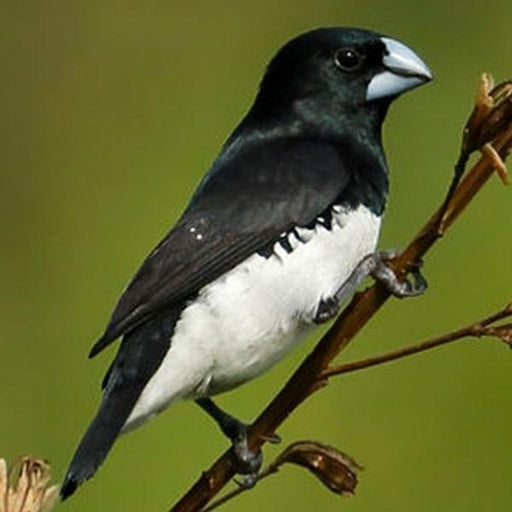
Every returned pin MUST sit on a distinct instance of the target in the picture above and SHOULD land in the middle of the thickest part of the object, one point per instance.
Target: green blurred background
(111, 112)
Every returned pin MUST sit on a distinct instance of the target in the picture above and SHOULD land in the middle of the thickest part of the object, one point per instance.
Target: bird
(281, 229)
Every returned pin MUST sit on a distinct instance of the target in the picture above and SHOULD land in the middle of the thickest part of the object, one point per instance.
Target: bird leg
(374, 265)
(249, 463)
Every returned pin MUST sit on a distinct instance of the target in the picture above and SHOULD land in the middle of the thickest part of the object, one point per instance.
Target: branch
(476, 330)
(365, 305)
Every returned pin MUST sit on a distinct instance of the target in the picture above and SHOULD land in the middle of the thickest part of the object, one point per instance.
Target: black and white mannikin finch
(282, 227)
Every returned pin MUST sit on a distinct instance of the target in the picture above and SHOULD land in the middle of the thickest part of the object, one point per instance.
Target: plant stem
(270, 470)
(475, 330)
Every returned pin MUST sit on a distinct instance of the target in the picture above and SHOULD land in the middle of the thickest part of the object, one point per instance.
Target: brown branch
(353, 318)
(475, 330)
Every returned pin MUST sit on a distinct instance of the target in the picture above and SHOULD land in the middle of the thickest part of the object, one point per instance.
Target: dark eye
(348, 59)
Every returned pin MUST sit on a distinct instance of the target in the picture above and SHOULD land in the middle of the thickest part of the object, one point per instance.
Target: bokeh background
(111, 111)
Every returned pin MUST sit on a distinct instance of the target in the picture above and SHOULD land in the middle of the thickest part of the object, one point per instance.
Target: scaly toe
(248, 463)
(247, 481)
(327, 309)
(420, 283)
(274, 439)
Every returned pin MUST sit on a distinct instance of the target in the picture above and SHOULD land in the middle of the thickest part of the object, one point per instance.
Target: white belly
(248, 319)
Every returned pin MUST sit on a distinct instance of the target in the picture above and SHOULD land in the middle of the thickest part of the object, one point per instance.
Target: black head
(337, 71)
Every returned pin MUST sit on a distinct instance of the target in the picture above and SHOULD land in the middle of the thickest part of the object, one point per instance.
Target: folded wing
(243, 204)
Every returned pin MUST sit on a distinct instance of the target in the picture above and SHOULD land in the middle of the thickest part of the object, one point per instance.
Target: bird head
(333, 71)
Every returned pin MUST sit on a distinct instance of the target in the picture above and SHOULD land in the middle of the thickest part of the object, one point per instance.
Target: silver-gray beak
(404, 71)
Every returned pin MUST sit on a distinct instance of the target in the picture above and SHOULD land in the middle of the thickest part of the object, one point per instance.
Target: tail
(140, 354)
(99, 437)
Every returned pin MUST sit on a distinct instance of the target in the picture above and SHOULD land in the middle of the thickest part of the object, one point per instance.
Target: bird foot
(248, 462)
(375, 265)
(384, 274)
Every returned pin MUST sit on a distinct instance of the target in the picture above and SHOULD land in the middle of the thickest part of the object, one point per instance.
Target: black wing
(243, 204)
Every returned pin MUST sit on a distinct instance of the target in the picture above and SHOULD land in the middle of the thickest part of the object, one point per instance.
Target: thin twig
(353, 318)
(475, 330)
(264, 473)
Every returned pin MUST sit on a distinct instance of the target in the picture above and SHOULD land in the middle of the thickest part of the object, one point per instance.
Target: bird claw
(247, 482)
(273, 439)
(401, 289)
(248, 463)
(375, 265)
(327, 309)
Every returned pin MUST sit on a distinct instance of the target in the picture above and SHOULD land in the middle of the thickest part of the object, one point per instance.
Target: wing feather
(243, 204)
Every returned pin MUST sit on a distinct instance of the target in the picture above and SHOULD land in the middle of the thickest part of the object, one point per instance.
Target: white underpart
(248, 319)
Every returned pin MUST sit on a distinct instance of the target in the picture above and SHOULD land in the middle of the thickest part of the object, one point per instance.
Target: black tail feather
(99, 437)
(140, 354)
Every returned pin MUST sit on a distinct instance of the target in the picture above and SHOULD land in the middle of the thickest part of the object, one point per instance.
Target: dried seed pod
(336, 470)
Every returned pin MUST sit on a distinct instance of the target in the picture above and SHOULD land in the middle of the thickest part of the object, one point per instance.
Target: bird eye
(348, 59)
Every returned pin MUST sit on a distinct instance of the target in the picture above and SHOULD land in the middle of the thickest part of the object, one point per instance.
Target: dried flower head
(336, 470)
(489, 126)
(491, 115)
(25, 487)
